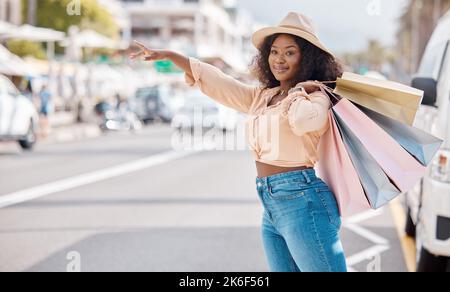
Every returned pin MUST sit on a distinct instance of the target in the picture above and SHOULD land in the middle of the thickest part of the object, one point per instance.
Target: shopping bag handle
(328, 91)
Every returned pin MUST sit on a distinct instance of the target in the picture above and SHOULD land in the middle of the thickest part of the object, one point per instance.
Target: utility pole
(437, 11)
(32, 9)
(417, 6)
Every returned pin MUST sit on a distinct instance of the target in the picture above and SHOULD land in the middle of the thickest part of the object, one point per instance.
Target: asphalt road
(129, 202)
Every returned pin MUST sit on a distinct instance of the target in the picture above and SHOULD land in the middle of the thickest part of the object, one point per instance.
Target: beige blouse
(286, 134)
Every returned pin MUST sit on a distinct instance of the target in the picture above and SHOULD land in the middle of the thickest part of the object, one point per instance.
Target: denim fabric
(301, 222)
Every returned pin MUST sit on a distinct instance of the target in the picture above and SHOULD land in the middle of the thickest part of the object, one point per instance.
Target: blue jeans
(301, 222)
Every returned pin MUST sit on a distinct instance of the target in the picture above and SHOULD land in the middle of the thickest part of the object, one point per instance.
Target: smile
(280, 71)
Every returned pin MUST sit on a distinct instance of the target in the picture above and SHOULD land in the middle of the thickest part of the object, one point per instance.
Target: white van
(18, 116)
(429, 204)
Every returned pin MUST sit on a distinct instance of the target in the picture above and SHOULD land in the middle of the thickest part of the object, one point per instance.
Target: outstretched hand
(148, 54)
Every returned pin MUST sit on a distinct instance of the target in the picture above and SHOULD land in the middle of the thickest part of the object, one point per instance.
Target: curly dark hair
(316, 64)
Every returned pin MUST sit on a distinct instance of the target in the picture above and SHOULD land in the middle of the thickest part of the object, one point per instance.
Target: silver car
(18, 117)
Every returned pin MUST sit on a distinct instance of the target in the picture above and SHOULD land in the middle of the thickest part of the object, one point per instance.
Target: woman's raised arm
(211, 80)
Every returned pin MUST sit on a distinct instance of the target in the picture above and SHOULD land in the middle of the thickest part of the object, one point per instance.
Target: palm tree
(416, 26)
(31, 12)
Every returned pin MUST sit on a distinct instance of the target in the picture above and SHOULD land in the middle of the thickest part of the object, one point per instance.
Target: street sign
(166, 66)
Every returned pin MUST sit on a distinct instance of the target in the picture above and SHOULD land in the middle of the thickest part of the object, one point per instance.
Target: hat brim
(260, 35)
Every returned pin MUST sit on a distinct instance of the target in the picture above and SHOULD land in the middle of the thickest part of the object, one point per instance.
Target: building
(212, 30)
(121, 17)
(10, 11)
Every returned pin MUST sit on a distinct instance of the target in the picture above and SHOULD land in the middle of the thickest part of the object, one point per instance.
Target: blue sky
(343, 25)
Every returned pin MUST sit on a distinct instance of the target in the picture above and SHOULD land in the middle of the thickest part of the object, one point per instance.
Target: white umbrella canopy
(91, 39)
(33, 33)
(11, 64)
(6, 28)
(7, 69)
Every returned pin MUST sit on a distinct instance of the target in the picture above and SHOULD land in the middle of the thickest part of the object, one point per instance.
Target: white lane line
(367, 254)
(367, 234)
(381, 244)
(364, 216)
(89, 178)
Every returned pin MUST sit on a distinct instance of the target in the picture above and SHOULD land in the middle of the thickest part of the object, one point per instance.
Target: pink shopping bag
(404, 171)
(336, 169)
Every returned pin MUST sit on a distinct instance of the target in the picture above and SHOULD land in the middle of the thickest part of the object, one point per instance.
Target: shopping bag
(377, 186)
(395, 100)
(336, 169)
(402, 168)
(418, 143)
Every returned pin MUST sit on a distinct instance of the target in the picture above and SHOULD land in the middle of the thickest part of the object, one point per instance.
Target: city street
(128, 202)
(108, 161)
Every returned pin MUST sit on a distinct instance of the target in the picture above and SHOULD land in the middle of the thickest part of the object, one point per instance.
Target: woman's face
(284, 58)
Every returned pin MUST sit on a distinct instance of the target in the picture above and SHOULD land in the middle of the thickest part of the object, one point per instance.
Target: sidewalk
(64, 129)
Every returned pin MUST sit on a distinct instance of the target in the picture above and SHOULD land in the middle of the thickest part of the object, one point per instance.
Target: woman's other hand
(308, 86)
(149, 54)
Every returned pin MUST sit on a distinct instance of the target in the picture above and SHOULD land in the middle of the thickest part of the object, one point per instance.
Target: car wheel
(410, 228)
(30, 139)
(430, 263)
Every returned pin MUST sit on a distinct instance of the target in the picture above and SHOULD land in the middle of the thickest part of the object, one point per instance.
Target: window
(443, 91)
(433, 57)
(6, 87)
(444, 74)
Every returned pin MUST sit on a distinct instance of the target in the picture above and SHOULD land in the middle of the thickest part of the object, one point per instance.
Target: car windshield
(434, 53)
(147, 92)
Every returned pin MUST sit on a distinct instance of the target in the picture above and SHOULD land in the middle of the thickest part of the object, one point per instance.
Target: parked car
(18, 117)
(119, 118)
(149, 105)
(428, 204)
(200, 111)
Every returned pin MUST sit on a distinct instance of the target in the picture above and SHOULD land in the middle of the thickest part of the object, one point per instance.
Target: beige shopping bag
(392, 99)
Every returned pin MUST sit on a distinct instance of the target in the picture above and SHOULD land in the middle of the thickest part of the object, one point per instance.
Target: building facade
(122, 19)
(10, 11)
(207, 29)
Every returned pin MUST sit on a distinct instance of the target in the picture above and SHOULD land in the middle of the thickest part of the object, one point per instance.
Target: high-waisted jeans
(301, 222)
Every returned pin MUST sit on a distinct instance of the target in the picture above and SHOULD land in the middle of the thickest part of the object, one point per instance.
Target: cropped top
(286, 134)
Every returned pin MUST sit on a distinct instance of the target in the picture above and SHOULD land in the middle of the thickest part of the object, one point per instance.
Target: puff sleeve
(308, 112)
(221, 87)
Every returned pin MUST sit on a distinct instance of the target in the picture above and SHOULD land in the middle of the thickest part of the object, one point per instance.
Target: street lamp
(31, 12)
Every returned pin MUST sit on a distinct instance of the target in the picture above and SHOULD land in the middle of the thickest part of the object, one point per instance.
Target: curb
(71, 133)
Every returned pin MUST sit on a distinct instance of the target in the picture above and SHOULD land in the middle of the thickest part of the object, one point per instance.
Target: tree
(26, 48)
(53, 14)
(416, 26)
(374, 57)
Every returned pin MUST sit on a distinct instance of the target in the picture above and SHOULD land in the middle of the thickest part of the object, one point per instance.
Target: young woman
(301, 221)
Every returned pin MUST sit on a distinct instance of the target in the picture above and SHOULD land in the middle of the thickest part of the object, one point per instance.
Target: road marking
(367, 234)
(380, 244)
(89, 178)
(366, 255)
(408, 244)
(364, 216)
